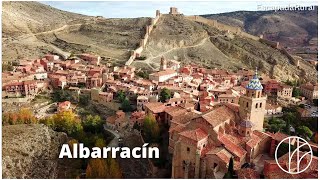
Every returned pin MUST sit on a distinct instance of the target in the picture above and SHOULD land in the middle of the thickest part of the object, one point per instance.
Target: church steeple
(163, 64)
(253, 103)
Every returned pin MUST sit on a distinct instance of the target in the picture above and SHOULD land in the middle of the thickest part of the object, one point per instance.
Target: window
(188, 149)
(256, 105)
(260, 105)
(215, 165)
(247, 104)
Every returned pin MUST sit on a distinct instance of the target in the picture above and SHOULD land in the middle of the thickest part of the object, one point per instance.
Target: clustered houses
(213, 114)
(274, 88)
(33, 76)
(310, 91)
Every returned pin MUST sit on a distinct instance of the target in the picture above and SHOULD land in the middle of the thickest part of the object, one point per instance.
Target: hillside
(176, 37)
(39, 29)
(291, 28)
(30, 151)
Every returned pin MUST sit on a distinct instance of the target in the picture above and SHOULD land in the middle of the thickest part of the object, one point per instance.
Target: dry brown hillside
(291, 28)
(39, 29)
(37, 32)
(176, 37)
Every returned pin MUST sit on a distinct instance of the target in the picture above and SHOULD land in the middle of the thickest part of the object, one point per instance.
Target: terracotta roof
(247, 173)
(163, 73)
(155, 107)
(232, 147)
(175, 110)
(185, 117)
(219, 115)
(254, 140)
(310, 86)
(196, 135)
(222, 154)
(178, 128)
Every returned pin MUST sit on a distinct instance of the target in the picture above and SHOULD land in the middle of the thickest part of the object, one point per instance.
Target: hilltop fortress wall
(223, 27)
(137, 52)
(276, 45)
(238, 31)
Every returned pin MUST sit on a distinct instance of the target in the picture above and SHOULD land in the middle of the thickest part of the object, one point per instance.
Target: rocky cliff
(30, 151)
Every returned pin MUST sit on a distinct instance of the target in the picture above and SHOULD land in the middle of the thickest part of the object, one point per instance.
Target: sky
(132, 9)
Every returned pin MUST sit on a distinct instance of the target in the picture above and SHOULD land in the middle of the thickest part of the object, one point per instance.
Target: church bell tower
(253, 103)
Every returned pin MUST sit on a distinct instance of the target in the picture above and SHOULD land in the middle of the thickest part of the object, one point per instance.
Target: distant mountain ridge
(291, 28)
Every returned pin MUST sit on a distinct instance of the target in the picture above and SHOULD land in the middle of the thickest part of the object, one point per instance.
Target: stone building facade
(202, 144)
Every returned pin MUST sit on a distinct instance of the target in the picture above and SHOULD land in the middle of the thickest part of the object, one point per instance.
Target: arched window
(260, 105)
(247, 104)
(256, 105)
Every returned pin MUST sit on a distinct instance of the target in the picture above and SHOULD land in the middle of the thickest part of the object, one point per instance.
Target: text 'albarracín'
(79, 151)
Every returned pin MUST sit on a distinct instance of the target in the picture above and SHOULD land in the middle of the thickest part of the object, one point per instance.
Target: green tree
(304, 132)
(121, 96)
(165, 94)
(289, 118)
(64, 121)
(143, 74)
(151, 130)
(92, 124)
(296, 92)
(276, 125)
(84, 100)
(125, 105)
(230, 173)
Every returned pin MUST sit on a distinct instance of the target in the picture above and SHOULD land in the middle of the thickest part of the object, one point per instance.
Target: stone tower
(253, 103)
(245, 127)
(157, 13)
(163, 64)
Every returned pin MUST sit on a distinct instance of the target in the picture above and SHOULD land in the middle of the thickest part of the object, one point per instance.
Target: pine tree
(230, 173)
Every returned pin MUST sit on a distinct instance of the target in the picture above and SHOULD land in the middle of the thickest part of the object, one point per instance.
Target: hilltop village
(213, 116)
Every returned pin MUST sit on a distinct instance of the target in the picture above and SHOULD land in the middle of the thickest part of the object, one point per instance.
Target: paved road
(115, 141)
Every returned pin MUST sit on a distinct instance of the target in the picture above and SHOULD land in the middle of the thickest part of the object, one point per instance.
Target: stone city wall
(276, 45)
(223, 27)
(238, 31)
(137, 52)
(273, 44)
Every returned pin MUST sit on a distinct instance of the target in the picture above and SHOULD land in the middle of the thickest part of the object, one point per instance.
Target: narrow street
(115, 141)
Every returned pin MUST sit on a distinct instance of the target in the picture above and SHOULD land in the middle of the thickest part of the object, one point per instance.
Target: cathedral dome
(246, 124)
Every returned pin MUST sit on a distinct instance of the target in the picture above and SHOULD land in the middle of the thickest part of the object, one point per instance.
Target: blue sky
(131, 9)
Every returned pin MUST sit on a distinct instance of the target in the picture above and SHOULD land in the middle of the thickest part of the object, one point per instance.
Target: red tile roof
(196, 135)
(232, 147)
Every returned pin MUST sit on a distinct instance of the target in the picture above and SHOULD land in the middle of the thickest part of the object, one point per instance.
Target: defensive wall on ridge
(223, 27)
(276, 45)
(137, 52)
(238, 31)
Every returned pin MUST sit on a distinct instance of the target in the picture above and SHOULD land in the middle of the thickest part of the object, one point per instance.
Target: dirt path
(150, 59)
